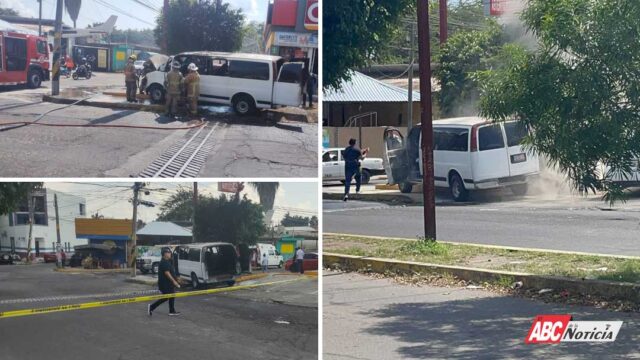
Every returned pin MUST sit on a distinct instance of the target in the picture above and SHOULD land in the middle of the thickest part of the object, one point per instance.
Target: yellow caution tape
(97, 304)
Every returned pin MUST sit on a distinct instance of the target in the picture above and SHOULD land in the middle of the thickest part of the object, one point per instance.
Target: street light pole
(57, 44)
(193, 214)
(134, 228)
(40, 18)
(58, 247)
(424, 61)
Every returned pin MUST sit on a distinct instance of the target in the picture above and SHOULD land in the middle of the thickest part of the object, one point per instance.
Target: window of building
(490, 137)
(82, 209)
(40, 217)
(249, 70)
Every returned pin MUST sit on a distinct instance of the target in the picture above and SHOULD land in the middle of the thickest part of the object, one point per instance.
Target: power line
(114, 8)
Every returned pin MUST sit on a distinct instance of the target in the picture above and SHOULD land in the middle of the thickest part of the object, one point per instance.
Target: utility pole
(410, 92)
(57, 44)
(193, 214)
(58, 247)
(424, 61)
(40, 18)
(134, 227)
(30, 206)
(443, 21)
(165, 28)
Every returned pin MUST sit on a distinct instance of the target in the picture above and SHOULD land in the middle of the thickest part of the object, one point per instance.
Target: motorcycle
(82, 71)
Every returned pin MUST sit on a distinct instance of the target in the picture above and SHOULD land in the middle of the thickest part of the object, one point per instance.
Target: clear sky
(93, 11)
(112, 199)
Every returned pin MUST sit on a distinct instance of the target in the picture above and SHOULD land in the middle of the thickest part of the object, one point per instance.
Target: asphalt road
(242, 146)
(571, 224)
(272, 322)
(366, 318)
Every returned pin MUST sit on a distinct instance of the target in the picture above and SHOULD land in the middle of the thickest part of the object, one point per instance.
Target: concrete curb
(104, 104)
(600, 288)
(392, 198)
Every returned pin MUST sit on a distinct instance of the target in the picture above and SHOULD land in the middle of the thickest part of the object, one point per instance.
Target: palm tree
(267, 193)
(73, 9)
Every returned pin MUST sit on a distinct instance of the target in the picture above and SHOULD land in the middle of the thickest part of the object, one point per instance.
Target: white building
(14, 227)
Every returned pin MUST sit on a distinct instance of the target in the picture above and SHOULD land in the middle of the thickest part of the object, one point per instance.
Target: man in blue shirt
(352, 156)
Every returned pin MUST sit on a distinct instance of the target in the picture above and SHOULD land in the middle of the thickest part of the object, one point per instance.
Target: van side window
(183, 254)
(450, 139)
(490, 137)
(516, 131)
(219, 67)
(194, 255)
(291, 73)
(253, 70)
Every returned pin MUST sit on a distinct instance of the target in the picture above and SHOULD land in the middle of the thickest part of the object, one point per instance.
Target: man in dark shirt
(167, 282)
(352, 156)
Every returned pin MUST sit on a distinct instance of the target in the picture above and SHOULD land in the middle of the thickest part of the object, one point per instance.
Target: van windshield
(516, 131)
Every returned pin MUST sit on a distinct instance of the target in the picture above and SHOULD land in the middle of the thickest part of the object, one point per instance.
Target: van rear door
(396, 164)
(490, 161)
(287, 89)
(520, 161)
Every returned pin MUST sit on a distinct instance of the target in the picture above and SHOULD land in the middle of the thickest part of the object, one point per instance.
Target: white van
(207, 263)
(275, 259)
(245, 81)
(469, 153)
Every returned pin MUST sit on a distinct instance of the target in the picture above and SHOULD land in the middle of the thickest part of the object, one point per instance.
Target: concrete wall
(371, 138)
(69, 210)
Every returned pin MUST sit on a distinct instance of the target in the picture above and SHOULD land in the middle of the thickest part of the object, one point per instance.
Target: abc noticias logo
(552, 329)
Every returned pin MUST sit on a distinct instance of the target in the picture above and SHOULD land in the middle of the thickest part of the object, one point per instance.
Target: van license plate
(518, 158)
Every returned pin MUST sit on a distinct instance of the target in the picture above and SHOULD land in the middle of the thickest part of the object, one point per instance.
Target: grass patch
(531, 262)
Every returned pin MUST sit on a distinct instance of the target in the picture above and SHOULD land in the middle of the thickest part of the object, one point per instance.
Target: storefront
(109, 240)
(291, 30)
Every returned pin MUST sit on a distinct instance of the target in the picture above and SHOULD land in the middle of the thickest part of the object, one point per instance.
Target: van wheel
(231, 283)
(194, 281)
(405, 187)
(365, 176)
(458, 192)
(519, 190)
(34, 80)
(280, 265)
(244, 105)
(144, 271)
(154, 268)
(156, 94)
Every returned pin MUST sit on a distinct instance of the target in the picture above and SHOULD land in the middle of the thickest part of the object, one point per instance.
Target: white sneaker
(174, 313)
(345, 198)
(149, 310)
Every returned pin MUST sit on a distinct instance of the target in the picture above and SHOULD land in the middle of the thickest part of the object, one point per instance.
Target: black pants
(172, 309)
(349, 173)
(300, 267)
(131, 90)
(307, 96)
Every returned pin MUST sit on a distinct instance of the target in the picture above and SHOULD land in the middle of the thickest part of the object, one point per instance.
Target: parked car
(275, 259)
(6, 259)
(309, 263)
(333, 166)
(469, 153)
(629, 180)
(207, 263)
(247, 82)
(76, 259)
(150, 261)
(51, 257)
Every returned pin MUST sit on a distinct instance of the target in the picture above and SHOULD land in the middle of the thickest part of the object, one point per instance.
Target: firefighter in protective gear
(131, 79)
(173, 84)
(192, 85)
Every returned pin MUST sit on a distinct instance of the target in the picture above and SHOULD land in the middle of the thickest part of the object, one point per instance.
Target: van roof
(205, 244)
(468, 120)
(247, 56)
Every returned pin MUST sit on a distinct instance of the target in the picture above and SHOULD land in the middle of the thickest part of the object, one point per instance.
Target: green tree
(465, 53)
(355, 34)
(266, 192)
(252, 37)
(294, 220)
(579, 91)
(12, 194)
(200, 25)
(73, 9)
(178, 207)
(229, 220)
(8, 12)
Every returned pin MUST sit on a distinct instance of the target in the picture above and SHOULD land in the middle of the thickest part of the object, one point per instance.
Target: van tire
(194, 281)
(405, 187)
(458, 191)
(280, 265)
(34, 79)
(144, 271)
(243, 104)
(365, 176)
(156, 94)
(519, 190)
(154, 268)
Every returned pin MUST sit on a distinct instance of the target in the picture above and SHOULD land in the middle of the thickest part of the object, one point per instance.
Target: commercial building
(108, 240)
(291, 30)
(14, 227)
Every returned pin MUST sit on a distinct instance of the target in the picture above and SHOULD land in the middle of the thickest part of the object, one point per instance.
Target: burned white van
(207, 263)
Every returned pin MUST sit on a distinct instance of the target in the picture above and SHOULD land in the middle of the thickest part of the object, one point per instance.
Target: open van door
(396, 164)
(287, 89)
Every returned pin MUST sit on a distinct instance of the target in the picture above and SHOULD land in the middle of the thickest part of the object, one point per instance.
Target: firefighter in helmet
(131, 79)
(173, 84)
(192, 85)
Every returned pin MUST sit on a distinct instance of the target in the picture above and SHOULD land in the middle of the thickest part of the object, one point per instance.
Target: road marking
(359, 208)
(98, 304)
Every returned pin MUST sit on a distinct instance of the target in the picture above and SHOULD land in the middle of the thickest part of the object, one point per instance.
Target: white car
(247, 82)
(469, 153)
(630, 180)
(207, 263)
(333, 166)
(150, 260)
(274, 258)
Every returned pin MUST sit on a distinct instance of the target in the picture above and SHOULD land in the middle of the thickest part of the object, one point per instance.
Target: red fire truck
(24, 59)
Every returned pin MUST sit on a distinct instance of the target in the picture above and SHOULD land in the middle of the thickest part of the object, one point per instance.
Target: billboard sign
(302, 40)
(311, 15)
(497, 7)
(284, 12)
(230, 187)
